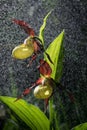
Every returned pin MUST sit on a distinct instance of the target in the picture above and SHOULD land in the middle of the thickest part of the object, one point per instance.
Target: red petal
(45, 68)
(38, 47)
(25, 26)
(32, 59)
(26, 91)
(39, 81)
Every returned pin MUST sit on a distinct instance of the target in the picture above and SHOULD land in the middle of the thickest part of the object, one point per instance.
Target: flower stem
(54, 123)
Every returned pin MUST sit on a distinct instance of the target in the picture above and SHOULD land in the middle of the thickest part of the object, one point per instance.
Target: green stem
(51, 113)
(54, 123)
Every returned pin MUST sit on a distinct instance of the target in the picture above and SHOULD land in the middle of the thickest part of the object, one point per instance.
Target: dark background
(70, 15)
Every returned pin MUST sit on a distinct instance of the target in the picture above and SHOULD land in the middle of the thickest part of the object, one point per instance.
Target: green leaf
(30, 114)
(82, 126)
(41, 33)
(55, 51)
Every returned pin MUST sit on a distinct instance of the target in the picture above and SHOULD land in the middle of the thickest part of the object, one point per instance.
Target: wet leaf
(41, 33)
(80, 127)
(55, 51)
(28, 113)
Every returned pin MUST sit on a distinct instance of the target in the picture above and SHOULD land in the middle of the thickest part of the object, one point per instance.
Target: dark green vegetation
(68, 15)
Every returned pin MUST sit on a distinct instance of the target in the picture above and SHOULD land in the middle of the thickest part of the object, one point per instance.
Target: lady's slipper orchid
(45, 85)
(32, 45)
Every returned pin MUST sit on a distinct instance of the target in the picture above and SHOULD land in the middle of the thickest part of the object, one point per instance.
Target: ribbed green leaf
(55, 51)
(80, 127)
(41, 33)
(30, 114)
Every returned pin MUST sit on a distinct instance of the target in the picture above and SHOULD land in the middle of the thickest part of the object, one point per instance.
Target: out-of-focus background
(70, 15)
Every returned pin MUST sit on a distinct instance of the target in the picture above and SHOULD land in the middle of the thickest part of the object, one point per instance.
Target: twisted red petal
(45, 68)
(25, 26)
